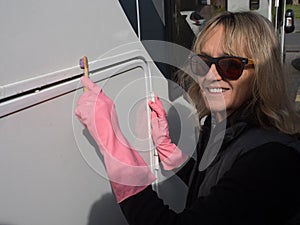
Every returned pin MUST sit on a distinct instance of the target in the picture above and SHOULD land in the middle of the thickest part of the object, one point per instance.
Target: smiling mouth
(216, 90)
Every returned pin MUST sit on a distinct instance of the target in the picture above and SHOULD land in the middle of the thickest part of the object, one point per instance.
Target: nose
(213, 74)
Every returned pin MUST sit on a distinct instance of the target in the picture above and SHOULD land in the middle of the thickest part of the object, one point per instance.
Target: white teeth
(215, 90)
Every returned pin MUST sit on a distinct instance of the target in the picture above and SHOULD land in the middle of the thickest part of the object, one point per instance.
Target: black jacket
(252, 177)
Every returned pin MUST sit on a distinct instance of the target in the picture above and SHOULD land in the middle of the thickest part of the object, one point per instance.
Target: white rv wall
(50, 171)
(38, 37)
(45, 178)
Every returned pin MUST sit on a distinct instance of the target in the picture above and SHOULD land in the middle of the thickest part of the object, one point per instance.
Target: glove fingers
(158, 102)
(90, 85)
(157, 108)
(154, 121)
(153, 115)
(95, 91)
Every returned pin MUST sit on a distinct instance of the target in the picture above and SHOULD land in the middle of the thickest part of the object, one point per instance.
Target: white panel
(126, 59)
(46, 176)
(39, 37)
(44, 179)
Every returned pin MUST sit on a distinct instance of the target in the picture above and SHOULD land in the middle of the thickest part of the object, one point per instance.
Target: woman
(251, 174)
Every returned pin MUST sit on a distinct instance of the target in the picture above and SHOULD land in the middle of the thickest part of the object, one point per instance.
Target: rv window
(254, 4)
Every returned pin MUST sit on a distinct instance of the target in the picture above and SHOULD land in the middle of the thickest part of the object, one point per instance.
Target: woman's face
(223, 95)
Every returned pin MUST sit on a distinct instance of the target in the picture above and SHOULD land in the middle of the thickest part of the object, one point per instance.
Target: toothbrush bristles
(81, 63)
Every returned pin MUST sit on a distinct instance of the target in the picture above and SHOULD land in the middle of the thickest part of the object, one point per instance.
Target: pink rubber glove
(126, 169)
(170, 155)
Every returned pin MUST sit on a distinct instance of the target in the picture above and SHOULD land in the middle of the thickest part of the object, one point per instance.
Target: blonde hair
(253, 35)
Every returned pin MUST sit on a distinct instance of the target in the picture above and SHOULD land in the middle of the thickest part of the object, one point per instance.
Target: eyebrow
(206, 54)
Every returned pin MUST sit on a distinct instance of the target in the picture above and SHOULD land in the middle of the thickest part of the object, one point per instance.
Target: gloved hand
(170, 155)
(126, 169)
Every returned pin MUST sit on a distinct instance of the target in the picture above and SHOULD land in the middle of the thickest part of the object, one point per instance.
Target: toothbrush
(83, 62)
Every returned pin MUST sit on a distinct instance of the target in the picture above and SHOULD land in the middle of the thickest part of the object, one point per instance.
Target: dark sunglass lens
(231, 68)
(199, 65)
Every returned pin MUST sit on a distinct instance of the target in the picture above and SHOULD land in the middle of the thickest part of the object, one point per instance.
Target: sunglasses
(228, 67)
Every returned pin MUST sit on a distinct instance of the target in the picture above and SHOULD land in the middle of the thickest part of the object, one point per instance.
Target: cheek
(240, 96)
(200, 83)
(243, 89)
(201, 89)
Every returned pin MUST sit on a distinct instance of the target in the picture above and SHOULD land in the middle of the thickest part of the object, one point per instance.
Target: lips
(216, 90)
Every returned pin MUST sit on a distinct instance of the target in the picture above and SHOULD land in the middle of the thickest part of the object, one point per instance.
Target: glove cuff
(171, 156)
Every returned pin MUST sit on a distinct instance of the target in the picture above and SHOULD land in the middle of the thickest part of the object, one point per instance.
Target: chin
(216, 106)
